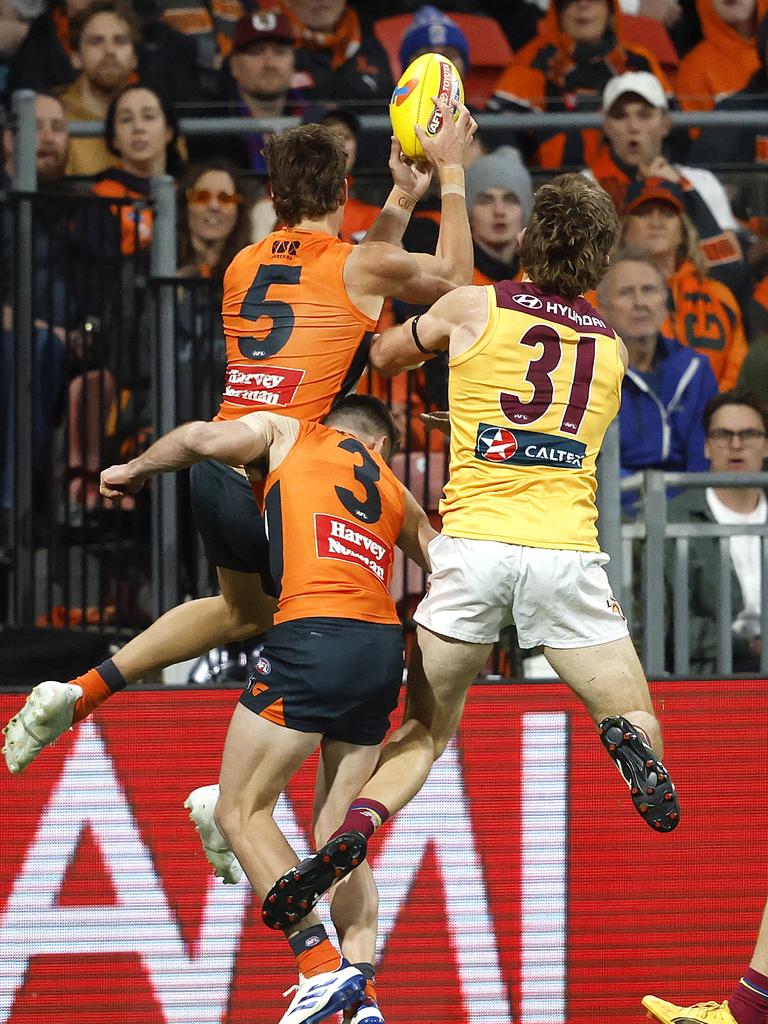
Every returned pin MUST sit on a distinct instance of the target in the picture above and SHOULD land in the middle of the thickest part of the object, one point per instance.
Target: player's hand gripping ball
(429, 75)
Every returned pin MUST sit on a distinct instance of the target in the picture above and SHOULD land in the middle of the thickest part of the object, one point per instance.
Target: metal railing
(657, 549)
(60, 561)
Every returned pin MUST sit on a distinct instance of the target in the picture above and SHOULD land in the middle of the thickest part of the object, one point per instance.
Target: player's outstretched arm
(416, 533)
(377, 268)
(236, 442)
(407, 345)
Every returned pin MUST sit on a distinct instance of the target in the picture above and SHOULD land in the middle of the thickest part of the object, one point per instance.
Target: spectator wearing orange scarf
(703, 313)
(337, 59)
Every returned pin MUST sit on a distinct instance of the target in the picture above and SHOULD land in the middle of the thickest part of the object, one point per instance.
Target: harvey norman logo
(349, 542)
(267, 385)
(526, 448)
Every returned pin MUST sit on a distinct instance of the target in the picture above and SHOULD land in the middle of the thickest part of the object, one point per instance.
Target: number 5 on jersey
(256, 305)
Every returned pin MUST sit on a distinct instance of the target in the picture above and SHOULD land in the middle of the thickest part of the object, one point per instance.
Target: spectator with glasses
(214, 225)
(736, 429)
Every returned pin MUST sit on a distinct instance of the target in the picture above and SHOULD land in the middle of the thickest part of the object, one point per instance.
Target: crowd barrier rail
(114, 571)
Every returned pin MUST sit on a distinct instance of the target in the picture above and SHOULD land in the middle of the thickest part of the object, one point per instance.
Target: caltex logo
(496, 444)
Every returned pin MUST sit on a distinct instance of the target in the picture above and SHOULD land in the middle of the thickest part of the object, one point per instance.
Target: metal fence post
(653, 584)
(609, 509)
(25, 183)
(165, 552)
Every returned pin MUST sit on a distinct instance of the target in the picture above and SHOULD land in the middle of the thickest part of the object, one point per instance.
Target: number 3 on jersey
(256, 305)
(367, 474)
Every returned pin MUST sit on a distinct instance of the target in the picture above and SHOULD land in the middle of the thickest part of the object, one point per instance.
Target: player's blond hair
(307, 168)
(572, 229)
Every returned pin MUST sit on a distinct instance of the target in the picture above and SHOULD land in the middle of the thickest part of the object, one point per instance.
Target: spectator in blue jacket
(666, 385)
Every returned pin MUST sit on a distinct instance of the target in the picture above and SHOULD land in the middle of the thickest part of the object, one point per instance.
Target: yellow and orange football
(429, 75)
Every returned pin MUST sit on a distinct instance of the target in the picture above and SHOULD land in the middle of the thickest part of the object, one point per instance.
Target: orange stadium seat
(489, 50)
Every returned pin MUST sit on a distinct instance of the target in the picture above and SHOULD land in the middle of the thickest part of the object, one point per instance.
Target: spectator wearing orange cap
(702, 313)
(726, 57)
(580, 47)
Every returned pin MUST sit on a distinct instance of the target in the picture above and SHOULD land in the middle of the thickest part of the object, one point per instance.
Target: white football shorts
(557, 598)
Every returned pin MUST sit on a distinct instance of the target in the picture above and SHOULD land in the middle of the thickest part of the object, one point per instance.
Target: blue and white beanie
(431, 30)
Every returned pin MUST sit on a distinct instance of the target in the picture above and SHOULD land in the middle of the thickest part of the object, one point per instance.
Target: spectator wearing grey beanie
(499, 200)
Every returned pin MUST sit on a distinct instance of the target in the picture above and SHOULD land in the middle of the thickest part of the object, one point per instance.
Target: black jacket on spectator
(166, 60)
(364, 79)
(723, 145)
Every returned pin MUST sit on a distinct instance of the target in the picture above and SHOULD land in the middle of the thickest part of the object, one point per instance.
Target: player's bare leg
(258, 761)
(439, 676)
(241, 610)
(440, 673)
(609, 680)
(343, 771)
(747, 1003)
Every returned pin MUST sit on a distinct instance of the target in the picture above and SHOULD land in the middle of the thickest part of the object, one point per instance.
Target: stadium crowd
(688, 291)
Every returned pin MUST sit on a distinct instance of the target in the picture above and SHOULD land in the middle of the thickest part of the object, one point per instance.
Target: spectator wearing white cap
(499, 200)
(581, 45)
(636, 123)
(432, 31)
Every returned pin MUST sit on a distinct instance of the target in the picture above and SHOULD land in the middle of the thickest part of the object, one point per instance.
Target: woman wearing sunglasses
(214, 219)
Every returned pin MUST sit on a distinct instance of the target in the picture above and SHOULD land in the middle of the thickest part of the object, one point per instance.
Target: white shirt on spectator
(710, 190)
(745, 555)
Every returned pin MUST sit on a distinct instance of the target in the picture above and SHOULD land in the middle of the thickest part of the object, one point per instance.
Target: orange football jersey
(334, 511)
(296, 343)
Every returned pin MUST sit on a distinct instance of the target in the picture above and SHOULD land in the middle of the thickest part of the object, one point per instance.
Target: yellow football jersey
(530, 402)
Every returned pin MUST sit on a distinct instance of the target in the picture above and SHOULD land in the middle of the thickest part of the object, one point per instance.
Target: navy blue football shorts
(337, 677)
(228, 520)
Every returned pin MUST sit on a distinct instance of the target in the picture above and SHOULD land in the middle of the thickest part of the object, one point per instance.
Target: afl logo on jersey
(495, 444)
(264, 666)
(529, 301)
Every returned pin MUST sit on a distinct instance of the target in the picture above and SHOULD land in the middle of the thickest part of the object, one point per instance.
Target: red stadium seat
(489, 51)
(651, 34)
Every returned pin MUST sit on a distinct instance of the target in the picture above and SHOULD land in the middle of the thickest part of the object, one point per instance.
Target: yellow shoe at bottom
(699, 1013)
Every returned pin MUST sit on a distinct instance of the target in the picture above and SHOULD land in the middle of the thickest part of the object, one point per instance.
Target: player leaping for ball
(534, 381)
(299, 310)
(331, 668)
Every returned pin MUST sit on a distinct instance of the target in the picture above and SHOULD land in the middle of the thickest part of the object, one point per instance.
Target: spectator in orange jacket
(703, 313)
(726, 57)
(565, 68)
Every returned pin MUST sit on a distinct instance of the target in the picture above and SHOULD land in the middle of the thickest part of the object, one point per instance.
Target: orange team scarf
(61, 24)
(344, 41)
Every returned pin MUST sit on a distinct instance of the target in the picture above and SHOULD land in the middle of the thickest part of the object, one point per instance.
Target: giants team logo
(402, 92)
(495, 444)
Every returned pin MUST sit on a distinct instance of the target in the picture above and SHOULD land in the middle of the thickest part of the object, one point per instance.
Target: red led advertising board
(519, 886)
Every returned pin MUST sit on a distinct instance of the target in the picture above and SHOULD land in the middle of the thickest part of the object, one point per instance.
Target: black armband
(416, 341)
